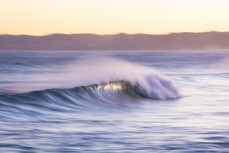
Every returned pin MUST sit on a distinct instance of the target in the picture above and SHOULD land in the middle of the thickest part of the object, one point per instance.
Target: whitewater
(114, 101)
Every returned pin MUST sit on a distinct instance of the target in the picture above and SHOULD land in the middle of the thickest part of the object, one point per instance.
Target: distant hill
(174, 41)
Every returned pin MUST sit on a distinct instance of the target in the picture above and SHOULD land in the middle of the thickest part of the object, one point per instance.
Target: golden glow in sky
(40, 17)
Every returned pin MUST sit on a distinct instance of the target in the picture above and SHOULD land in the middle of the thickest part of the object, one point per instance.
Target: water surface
(114, 101)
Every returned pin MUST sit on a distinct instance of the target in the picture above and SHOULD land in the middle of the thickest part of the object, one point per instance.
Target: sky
(42, 17)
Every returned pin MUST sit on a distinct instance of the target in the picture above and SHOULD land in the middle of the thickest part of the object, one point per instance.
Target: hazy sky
(39, 17)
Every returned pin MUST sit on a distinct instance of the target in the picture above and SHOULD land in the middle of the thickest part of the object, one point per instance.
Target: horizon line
(124, 33)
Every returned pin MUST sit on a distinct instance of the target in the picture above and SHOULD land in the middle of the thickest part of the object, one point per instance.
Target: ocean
(114, 101)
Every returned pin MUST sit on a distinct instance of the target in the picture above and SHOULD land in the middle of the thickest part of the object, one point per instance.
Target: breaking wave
(85, 84)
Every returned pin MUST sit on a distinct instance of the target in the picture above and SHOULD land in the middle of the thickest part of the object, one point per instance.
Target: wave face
(79, 98)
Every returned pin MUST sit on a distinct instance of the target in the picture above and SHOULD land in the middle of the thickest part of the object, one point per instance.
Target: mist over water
(114, 101)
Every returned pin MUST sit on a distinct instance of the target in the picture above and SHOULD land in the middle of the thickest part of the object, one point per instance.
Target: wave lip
(158, 88)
